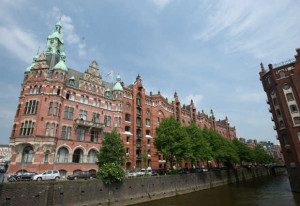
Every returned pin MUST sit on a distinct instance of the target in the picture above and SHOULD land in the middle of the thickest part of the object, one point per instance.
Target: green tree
(200, 148)
(261, 156)
(172, 140)
(110, 158)
(245, 153)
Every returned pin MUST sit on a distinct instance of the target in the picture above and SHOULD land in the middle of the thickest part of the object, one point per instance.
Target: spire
(55, 41)
(262, 67)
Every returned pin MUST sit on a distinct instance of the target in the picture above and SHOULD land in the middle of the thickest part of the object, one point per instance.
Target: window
(127, 106)
(158, 120)
(56, 75)
(55, 109)
(138, 111)
(282, 74)
(148, 132)
(286, 86)
(68, 95)
(138, 122)
(52, 130)
(278, 112)
(27, 154)
(116, 121)
(275, 102)
(148, 142)
(285, 139)
(63, 132)
(68, 135)
(80, 134)
(35, 89)
(109, 106)
(27, 128)
(40, 89)
(127, 117)
(96, 117)
(269, 80)
(61, 76)
(31, 107)
(86, 100)
(147, 111)
(297, 120)
(127, 129)
(127, 139)
(50, 108)
(90, 87)
(138, 100)
(53, 91)
(94, 136)
(81, 98)
(294, 108)
(127, 150)
(107, 120)
(99, 103)
(91, 158)
(14, 130)
(18, 110)
(46, 157)
(47, 129)
(106, 105)
(298, 133)
(30, 90)
(281, 124)
(95, 102)
(147, 122)
(289, 96)
(68, 113)
(82, 114)
(94, 88)
(71, 82)
(62, 155)
(120, 121)
(73, 96)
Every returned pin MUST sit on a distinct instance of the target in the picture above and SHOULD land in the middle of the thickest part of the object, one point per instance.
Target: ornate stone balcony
(89, 124)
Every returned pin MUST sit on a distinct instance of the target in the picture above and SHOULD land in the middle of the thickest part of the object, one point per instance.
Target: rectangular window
(94, 136)
(52, 130)
(96, 117)
(99, 103)
(55, 109)
(116, 121)
(63, 132)
(86, 100)
(68, 136)
(106, 105)
(289, 96)
(147, 122)
(81, 98)
(127, 117)
(95, 102)
(80, 134)
(294, 108)
(53, 91)
(68, 113)
(73, 96)
(82, 114)
(50, 108)
(107, 120)
(31, 107)
(27, 128)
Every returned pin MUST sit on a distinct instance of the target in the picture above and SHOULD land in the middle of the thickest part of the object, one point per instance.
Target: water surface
(266, 191)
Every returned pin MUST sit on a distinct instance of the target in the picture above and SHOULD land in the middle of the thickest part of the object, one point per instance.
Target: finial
(262, 67)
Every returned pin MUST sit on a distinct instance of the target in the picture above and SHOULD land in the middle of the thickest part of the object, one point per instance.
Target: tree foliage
(172, 140)
(191, 144)
(110, 158)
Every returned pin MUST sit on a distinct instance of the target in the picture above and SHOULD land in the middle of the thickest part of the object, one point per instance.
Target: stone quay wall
(130, 191)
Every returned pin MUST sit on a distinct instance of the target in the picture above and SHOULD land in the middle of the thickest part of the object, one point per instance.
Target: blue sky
(209, 51)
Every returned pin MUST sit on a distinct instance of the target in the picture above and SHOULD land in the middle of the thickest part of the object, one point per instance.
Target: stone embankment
(130, 191)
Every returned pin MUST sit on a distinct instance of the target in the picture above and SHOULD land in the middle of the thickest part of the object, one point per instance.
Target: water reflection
(268, 191)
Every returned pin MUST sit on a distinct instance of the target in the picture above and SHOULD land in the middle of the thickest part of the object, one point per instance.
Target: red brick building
(281, 83)
(62, 115)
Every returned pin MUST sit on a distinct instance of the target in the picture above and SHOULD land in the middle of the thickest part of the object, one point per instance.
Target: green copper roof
(58, 23)
(118, 86)
(171, 100)
(61, 65)
(72, 78)
(56, 35)
(107, 90)
(28, 69)
(209, 115)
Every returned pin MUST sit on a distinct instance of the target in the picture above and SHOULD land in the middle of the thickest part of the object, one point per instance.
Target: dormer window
(71, 82)
(282, 74)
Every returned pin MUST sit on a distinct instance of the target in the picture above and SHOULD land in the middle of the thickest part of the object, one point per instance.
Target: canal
(267, 191)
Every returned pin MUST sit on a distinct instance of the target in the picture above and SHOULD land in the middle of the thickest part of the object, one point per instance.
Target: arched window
(46, 158)
(91, 158)
(40, 89)
(92, 171)
(35, 89)
(61, 76)
(138, 100)
(78, 156)
(62, 155)
(27, 154)
(63, 173)
(76, 171)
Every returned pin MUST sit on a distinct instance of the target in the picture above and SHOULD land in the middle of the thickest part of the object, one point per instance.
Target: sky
(208, 51)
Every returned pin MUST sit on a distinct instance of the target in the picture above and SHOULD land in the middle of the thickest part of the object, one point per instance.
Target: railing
(90, 124)
(289, 61)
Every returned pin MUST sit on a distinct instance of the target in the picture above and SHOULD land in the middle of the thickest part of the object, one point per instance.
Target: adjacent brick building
(62, 115)
(281, 83)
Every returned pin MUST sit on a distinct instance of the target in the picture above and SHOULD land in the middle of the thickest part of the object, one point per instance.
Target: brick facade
(281, 83)
(62, 115)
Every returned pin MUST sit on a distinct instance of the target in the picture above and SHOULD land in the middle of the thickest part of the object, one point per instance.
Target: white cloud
(160, 3)
(195, 97)
(68, 30)
(252, 26)
(20, 43)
